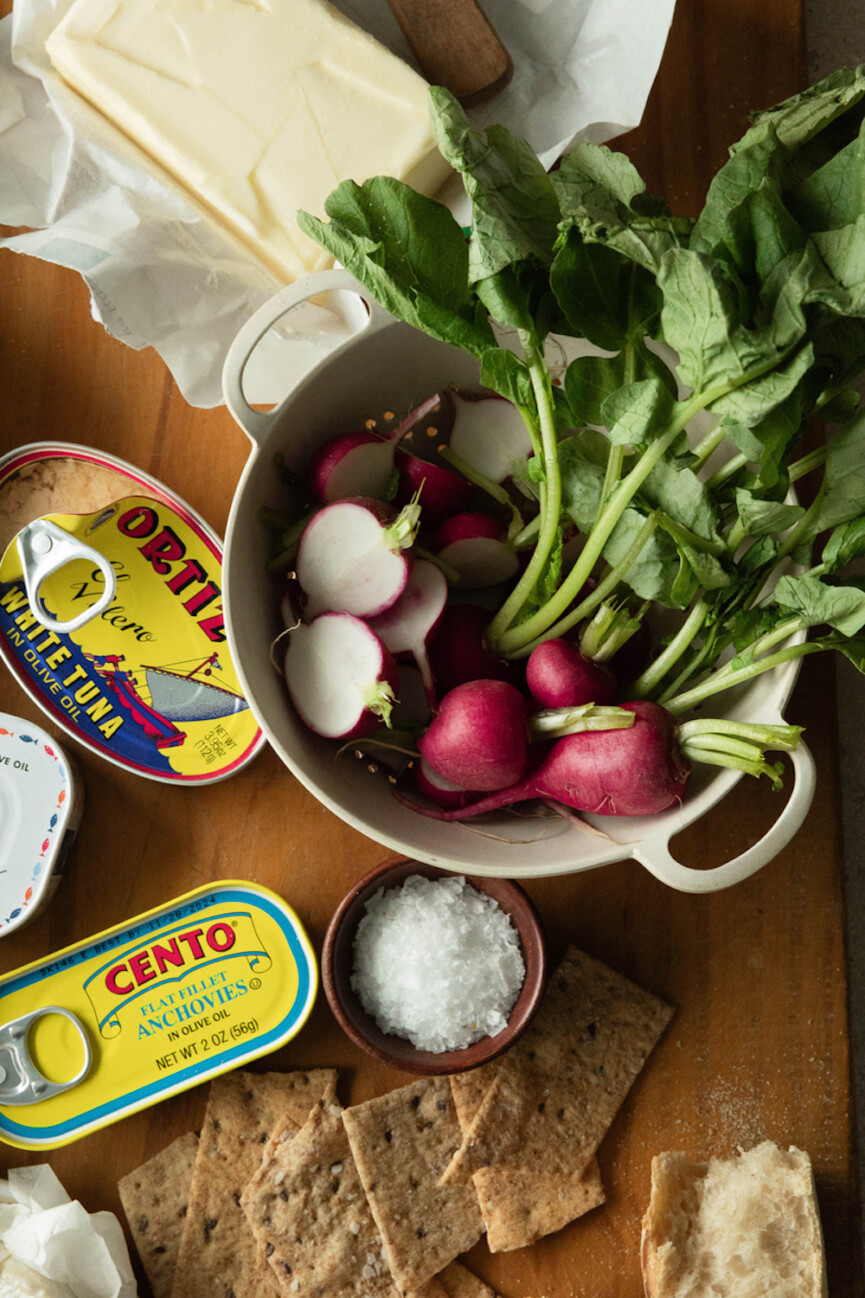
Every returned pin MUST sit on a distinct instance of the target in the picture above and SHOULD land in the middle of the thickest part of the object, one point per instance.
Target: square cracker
(294, 1094)
(559, 1088)
(455, 1281)
(155, 1198)
(520, 1205)
(458, 1282)
(307, 1207)
(402, 1142)
(219, 1256)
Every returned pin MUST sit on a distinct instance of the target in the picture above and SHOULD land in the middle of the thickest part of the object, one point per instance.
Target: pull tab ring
(44, 548)
(21, 1081)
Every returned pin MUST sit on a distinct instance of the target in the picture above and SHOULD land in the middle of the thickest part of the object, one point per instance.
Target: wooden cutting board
(759, 1046)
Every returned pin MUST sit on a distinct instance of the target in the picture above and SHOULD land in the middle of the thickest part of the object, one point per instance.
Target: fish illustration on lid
(176, 696)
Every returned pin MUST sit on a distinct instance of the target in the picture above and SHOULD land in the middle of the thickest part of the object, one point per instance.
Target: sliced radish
(340, 676)
(489, 434)
(407, 625)
(360, 463)
(474, 545)
(352, 464)
(352, 557)
(441, 492)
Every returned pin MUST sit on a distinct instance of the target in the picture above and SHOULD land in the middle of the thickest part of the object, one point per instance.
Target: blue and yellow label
(217, 978)
(148, 682)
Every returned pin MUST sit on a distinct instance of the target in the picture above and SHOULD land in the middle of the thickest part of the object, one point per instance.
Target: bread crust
(673, 1174)
(776, 1244)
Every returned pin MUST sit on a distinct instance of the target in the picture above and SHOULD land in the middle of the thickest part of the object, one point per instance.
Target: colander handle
(257, 423)
(654, 853)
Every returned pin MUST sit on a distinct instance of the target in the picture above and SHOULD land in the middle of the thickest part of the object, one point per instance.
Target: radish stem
(551, 496)
(553, 723)
(738, 744)
(610, 628)
(727, 678)
(656, 671)
(604, 588)
(536, 625)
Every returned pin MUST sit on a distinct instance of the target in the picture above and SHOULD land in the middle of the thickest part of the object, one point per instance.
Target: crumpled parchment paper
(162, 273)
(51, 1247)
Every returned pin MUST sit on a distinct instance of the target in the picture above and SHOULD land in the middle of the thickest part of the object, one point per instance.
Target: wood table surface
(759, 1046)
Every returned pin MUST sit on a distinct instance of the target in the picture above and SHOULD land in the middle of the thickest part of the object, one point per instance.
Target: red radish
(340, 676)
(459, 651)
(479, 737)
(440, 791)
(409, 623)
(359, 463)
(441, 492)
(558, 676)
(635, 772)
(489, 434)
(352, 557)
(474, 545)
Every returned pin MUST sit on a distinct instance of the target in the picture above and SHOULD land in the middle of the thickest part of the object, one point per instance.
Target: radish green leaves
(749, 319)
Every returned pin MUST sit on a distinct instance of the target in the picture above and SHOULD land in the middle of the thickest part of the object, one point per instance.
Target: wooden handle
(455, 46)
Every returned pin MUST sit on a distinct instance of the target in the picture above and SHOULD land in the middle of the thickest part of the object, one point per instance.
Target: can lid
(40, 810)
(111, 616)
(149, 1008)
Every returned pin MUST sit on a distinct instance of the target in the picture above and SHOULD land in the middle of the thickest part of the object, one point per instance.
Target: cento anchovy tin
(111, 615)
(149, 1008)
(41, 801)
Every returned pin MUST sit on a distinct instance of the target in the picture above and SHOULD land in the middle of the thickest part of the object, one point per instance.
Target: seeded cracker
(402, 1143)
(458, 1282)
(308, 1209)
(520, 1205)
(219, 1256)
(155, 1198)
(559, 1088)
(455, 1281)
(430, 1289)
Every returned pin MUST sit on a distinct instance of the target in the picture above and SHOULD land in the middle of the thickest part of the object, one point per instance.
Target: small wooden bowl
(337, 963)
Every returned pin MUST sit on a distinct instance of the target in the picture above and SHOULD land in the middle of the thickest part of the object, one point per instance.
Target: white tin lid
(40, 810)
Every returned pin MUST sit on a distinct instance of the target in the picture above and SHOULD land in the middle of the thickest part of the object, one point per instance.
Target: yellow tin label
(175, 996)
(148, 682)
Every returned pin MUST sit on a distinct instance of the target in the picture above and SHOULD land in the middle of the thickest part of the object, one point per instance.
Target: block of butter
(258, 107)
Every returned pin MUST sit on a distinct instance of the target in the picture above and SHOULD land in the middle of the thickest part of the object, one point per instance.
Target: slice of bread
(744, 1227)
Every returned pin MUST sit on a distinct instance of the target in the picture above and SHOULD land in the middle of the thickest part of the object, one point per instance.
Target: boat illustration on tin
(178, 694)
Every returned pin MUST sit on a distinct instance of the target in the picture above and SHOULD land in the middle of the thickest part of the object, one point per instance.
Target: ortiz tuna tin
(111, 615)
(149, 1008)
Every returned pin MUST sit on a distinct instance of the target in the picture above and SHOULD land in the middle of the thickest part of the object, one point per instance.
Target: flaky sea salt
(437, 962)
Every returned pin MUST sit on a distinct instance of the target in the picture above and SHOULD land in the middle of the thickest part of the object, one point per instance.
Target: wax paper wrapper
(50, 1247)
(162, 273)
